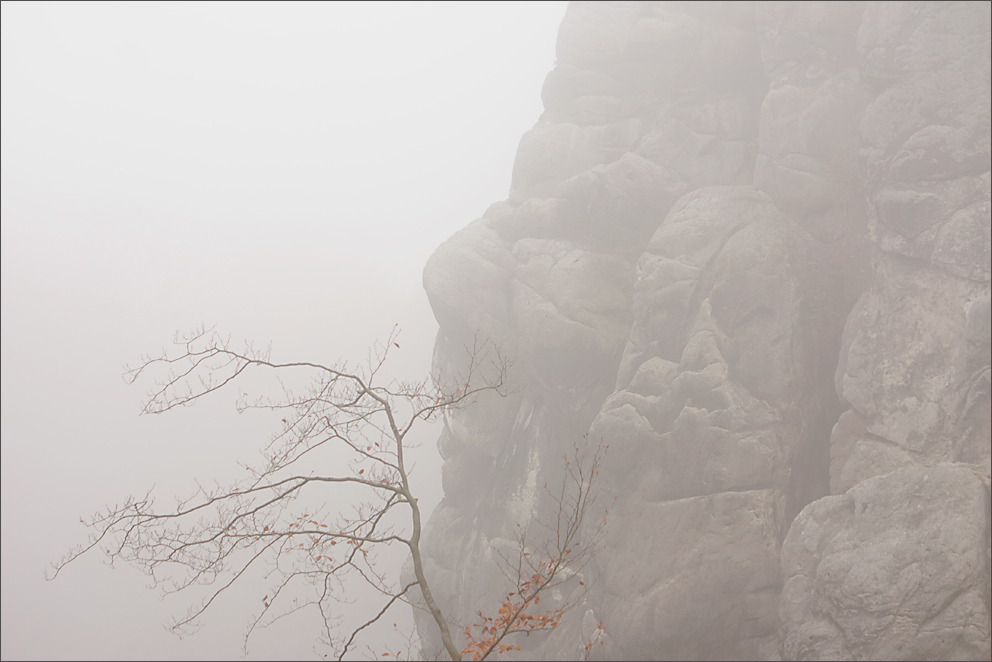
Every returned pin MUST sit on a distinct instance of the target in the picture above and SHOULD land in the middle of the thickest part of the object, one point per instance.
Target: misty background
(282, 171)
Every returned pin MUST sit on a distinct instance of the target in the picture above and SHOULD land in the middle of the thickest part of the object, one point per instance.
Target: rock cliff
(747, 245)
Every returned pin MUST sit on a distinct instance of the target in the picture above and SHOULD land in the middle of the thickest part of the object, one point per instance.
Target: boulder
(896, 568)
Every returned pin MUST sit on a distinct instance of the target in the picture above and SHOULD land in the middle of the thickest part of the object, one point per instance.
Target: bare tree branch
(561, 560)
(216, 535)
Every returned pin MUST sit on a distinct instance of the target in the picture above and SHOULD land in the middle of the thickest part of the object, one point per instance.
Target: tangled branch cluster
(343, 418)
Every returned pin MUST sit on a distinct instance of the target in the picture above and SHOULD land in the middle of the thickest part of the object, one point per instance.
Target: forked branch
(275, 517)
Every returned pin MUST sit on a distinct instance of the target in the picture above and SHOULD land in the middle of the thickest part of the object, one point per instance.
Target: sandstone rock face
(910, 370)
(715, 389)
(894, 568)
(914, 365)
(747, 245)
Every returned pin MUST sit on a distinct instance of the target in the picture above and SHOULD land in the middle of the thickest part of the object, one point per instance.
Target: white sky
(282, 170)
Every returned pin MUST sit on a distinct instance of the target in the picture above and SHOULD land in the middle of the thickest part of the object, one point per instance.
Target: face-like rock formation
(746, 245)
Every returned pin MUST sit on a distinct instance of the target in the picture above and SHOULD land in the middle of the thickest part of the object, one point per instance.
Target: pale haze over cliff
(738, 252)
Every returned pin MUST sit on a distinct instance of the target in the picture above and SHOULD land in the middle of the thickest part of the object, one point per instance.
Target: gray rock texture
(747, 245)
(894, 568)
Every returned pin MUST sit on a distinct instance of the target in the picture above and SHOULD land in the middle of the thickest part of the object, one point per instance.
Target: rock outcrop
(747, 245)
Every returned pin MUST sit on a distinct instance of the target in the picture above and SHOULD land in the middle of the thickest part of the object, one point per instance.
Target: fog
(282, 171)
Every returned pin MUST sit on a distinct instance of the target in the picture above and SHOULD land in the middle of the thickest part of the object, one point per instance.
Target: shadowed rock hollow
(747, 245)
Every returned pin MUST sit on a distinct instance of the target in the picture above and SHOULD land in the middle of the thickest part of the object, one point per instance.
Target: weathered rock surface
(894, 568)
(914, 368)
(669, 586)
(747, 245)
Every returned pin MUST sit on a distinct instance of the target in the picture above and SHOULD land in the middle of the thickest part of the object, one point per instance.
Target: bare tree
(217, 535)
